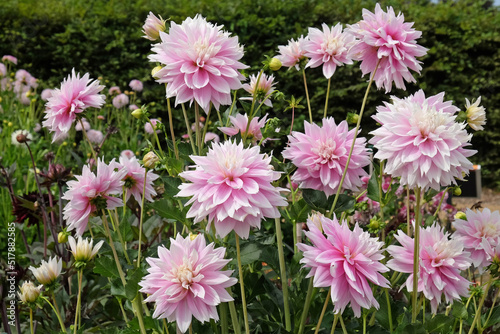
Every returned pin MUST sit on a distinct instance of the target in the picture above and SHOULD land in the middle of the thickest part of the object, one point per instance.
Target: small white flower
(48, 270)
(476, 115)
(83, 250)
(29, 292)
(20, 132)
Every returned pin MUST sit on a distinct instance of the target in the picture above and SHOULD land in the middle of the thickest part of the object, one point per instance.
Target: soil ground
(489, 199)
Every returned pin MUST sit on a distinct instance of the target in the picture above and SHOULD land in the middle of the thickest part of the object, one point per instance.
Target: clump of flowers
(75, 95)
(478, 228)
(83, 250)
(232, 186)
(187, 280)
(261, 91)
(201, 63)
(476, 114)
(133, 181)
(328, 48)
(292, 54)
(48, 272)
(91, 193)
(385, 39)
(321, 153)
(240, 124)
(441, 261)
(345, 261)
(422, 142)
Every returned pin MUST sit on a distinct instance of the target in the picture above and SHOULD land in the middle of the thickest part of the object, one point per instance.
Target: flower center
(204, 50)
(99, 202)
(490, 230)
(428, 120)
(129, 182)
(332, 46)
(348, 255)
(184, 275)
(326, 150)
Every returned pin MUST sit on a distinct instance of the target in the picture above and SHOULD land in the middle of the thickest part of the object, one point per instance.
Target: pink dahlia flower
(211, 136)
(293, 53)
(187, 280)
(262, 90)
(3, 70)
(152, 27)
(10, 59)
(120, 101)
(114, 90)
(328, 48)
(232, 185)
(134, 179)
(75, 95)
(385, 37)
(86, 125)
(95, 136)
(129, 154)
(240, 123)
(136, 85)
(492, 249)
(479, 226)
(91, 193)
(201, 63)
(46, 94)
(321, 153)
(441, 261)
(422, 142)
(346, 261)
(149, 129)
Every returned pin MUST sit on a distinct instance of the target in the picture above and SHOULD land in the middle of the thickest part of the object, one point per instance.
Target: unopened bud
(374, 224)
(457, 191)
(275, 64)
(155, 70)
(62, 237)
(22, 138)
(137, 113)
(352, 118)
(150, 160)
(460, 215)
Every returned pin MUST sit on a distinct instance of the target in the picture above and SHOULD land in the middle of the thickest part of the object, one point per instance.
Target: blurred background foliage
(50, 37)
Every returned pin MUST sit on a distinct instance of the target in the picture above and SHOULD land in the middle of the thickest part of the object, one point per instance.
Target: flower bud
(155, 70)
(457, 191)
(150, 160)
(275, 64)
(82, 250)
(460, 215)
(29, 292)
(152, 27)
(137, 113)
(352, 118)
(62, 237)
(22, 138)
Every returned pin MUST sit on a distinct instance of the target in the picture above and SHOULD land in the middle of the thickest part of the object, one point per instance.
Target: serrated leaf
(315, 199)
(344, 203)
(132, 285)
(106, 267)
(494, 318)
(373, 191)
(171, 185)
(459, 311)
(439, 323)
(166, 209)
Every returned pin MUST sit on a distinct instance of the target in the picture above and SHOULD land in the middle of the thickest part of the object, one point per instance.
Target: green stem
(138, 311)
(78, 301)
(234, 318)
(344, 330)
(307, 96)
(197, 127)
(123, 310)
(223, 318)
(254, 99)
(142, 217)
(408, 220)
(171, 124)
(31, 321)
(242, 286)
(364, 322)
(284, 281)
(389, 311)
(325, 305)
(492, 306)
(88, 141)
(478, 311)
(416, 257)
(327, 95)
(220, 121)
(56, 310)
(117, 230)
(305, 311)
(156, 138)
(353, 142)
(440, 203)
(205, 127)
(113, 249)
(335, 320)
(188, 128)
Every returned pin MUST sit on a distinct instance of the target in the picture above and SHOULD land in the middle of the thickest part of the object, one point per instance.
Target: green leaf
(132, 285)
(439, 323)
(344, 203)
(494, 318)
(373, 191)
(414, 329)
(250, 252)
(166, 209)
(171, 185)
(459, 311)
(315, 199)
(106, 267)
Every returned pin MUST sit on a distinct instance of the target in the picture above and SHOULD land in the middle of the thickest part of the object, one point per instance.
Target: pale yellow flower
(48, 271)
(476, 115)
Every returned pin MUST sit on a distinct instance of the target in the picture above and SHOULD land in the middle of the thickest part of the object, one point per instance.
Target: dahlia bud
(83, 251)
(275, 64)
(22, 138)
(137, 113)
(29, 292)
(153, 26)
(352, 118)
(374, 224)
(155, 70)
(150, 160)
(457, 191)
(460, 215)
(476, 115)
(62, 237)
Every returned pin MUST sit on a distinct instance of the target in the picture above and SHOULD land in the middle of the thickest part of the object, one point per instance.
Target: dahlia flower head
(9, 58)
(86, 125)
(133, 180)
(479, 228)
(120, 101)
(46, 94)
(3, 70)
(262, 90)
(293, 53)
(95, 136)
(28, 292)
(75, 95)
(153, 26)
(492, 250)
(321, 153)
(384, 37)
(91, 193)
(240, 123)
(149, 129)
(201, 63)
(48, 271)
(476, 114)
(232, 185)
(136, 85)
(328, 48)
(187, 280)
(441, 261)
(27, 136)
(84, 250)
(346, 261)
(422, 142)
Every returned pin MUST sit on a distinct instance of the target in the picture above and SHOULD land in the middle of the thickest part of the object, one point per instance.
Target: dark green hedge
(104, 38)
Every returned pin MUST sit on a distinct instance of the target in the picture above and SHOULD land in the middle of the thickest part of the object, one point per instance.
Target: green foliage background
(50, 37)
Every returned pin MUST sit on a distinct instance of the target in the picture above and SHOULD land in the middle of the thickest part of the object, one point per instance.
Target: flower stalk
(479, 308)
(416, 257)
(142, 217)
(78, 301)
(327, 96)
(307, 96)
(242, 285)
(284, 280)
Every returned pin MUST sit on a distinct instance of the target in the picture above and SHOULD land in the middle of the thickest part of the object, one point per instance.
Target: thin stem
(327, 95)
(320, 320)
(253, 100)
(220, 121)
(88, 141)
(113, 249)
(307, 95)
(138, 311)
(117, 230)
(408, 220)
(389, 311)
(480, 306)
(156, 137)
(305, 311)
(492, 306)
(242, 286)
(31, 321)
(188, 128)
(223, 318)
(353, 141)
(78, 301)
(284, 281)
(56, 310)
(335, 320)
(364, 322)
(344, 330)
(416, 257)
(197, 126)
(142, 217)
(123, 310)
(440, 203)
(205, 127)
(172, 134)
(234, 318)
